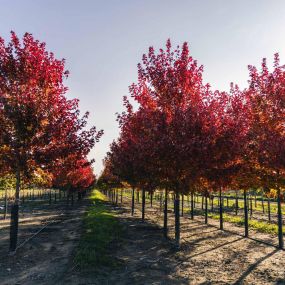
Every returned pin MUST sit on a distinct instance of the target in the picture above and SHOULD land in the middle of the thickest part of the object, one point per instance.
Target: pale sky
(102, 42)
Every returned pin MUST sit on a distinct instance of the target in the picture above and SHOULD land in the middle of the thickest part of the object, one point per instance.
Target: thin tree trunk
(268, 207)
(221, 209)
(192, 206)
(117, 196)
(143, 204)
(250, 206)
(133, 201)
(15, 214)
(206, 210)
(177, 220)
(165, 229)
(182, 206)
(6, 204)
(279, 213)
(151, 198)
(236, 204)
(245, 214)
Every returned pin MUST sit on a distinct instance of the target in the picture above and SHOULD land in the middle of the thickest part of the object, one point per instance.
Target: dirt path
(46, 257)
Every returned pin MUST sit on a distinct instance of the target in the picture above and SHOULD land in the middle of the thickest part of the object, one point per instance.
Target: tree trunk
(121, 196)
(143, 204)
(133, 201)
(192, 206)
(221, 209)
(236, 204)
(206, 210)
(177, 220)
(245, 214)
(6, 204)
(182, 206)
(15, 214)
(251, 206)
(279, 213)
(268, 207)
(165, 229)
(151, 197)
(117, 196)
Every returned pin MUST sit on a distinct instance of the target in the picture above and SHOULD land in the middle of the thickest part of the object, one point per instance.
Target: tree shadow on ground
(148, 258)
(254, 266)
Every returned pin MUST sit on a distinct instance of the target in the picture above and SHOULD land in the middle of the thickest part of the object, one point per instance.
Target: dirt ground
(207, 255)
(46, 257)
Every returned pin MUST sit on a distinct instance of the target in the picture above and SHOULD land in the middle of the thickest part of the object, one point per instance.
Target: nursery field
(131, 156)
(207, 254)
(99, 242)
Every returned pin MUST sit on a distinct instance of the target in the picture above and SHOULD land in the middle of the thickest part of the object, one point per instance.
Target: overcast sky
(102, 42)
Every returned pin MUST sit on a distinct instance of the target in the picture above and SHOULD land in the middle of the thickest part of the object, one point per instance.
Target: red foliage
(73, 175)
(182, 133)
(38, 124)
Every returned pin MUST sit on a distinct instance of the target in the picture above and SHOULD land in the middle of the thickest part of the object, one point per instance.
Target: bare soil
(45, 258)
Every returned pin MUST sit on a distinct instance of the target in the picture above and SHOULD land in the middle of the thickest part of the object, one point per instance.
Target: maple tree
(167, 131)
(266, 93)
(39, 125)
(132, 159)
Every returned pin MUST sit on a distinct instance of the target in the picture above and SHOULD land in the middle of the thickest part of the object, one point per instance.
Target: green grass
(101, 229)
(260, 226)
(239, 221)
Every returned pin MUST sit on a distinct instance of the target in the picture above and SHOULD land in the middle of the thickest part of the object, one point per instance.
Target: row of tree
(181, 136)
(42, 133)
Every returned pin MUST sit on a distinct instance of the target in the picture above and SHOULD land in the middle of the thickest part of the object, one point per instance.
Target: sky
(103, 41)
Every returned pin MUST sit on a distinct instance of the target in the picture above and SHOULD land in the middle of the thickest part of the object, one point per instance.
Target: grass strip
(101, 229)
(257, 225)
